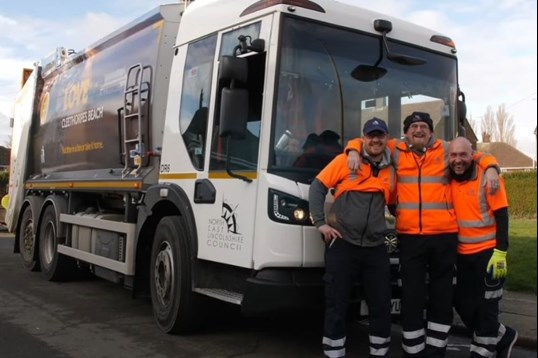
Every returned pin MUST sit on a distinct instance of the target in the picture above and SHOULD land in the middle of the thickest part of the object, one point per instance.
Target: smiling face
(418, 135)
(375, 144)
(460, 155)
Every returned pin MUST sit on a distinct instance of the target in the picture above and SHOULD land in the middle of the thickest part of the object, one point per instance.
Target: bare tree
(505, 126)
(498, 126)
(488, 127)
(473, 124)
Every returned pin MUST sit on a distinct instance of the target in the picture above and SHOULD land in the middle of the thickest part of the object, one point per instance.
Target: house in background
(435, 108)
(509, 158)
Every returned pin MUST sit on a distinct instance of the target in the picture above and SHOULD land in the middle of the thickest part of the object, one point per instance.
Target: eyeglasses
(419, 126)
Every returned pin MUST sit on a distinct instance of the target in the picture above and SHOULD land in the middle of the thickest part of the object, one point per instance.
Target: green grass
(522, 256)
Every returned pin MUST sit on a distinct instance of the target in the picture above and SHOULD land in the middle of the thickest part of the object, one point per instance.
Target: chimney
(486, 137)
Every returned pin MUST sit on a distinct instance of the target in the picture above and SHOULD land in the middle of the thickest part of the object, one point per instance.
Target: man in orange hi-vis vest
(427, 232)
(354, 233)
(482, 246)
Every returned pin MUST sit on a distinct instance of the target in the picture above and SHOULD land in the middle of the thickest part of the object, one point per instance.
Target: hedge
(521, 192)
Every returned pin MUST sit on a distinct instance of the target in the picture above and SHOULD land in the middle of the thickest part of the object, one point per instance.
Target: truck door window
(195, 98)
(244, 152)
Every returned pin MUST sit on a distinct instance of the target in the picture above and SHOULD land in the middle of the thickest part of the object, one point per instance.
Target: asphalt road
(95, 318)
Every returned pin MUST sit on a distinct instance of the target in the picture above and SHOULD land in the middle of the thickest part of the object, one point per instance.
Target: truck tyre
(174, 302)
(55, 266)
(27, 243)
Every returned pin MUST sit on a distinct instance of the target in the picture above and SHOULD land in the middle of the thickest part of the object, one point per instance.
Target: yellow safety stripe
(177, 176)
(224, 175)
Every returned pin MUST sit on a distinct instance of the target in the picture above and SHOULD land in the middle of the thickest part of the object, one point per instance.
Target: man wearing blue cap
(355, 242)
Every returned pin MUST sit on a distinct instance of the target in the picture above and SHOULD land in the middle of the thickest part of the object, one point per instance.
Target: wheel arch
(161, 200)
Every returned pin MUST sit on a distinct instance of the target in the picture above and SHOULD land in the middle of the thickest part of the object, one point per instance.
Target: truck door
(225, 195)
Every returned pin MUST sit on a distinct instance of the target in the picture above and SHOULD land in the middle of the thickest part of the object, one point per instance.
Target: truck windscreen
(332, 80)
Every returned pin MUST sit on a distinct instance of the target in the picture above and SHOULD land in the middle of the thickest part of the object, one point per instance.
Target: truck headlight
(285, 208)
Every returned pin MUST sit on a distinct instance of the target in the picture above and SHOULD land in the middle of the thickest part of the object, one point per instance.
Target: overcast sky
(496, 42)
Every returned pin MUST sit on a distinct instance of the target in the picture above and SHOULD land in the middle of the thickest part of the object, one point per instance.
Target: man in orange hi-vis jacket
(427, 232)
(354, 234)
(483, 243)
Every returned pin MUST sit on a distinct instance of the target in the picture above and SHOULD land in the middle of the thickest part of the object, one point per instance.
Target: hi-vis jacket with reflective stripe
(474, 208)
(338, 176)
(358, 211)
(424, 200)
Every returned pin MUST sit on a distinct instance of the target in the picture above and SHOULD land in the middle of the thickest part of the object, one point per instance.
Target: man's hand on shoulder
(353, 160)
(492, 180)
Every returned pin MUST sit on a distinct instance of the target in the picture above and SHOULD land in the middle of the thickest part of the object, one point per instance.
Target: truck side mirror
(233, 68)
(233, 117)
(462, 114)
(233, 113)
(462, 111)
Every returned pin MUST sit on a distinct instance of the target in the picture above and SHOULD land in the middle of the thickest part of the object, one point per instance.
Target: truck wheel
(174, 302)
(55, 266)
(27, 241)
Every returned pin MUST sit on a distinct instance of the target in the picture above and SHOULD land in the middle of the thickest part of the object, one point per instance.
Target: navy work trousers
(346, 263)
(427, 268)
(477, 301)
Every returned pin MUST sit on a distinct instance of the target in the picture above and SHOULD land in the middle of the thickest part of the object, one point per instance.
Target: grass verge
(522, 256)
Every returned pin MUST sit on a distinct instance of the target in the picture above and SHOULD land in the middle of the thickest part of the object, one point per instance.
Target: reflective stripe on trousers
(334, 348)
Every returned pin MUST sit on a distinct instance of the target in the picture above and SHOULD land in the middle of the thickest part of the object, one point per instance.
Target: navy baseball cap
(375, 125)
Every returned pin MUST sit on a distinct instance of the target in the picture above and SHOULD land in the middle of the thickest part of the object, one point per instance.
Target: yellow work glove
(497, 264)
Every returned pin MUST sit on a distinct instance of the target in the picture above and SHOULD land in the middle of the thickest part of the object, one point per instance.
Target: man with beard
(354, 236)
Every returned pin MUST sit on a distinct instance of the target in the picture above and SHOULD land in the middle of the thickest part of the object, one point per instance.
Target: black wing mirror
(367, 73)
(385, 27)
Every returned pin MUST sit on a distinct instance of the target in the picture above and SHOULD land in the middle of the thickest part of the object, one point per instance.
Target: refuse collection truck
(174, 156)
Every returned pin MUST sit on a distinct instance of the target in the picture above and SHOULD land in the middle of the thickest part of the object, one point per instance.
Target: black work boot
(505, 344)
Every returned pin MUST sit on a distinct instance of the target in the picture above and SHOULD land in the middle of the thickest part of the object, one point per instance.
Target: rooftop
(509, 158)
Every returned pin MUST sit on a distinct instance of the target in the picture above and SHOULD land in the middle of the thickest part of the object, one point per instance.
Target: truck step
(220, 294)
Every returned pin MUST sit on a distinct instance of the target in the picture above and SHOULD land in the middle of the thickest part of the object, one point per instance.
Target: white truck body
(136, 164)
